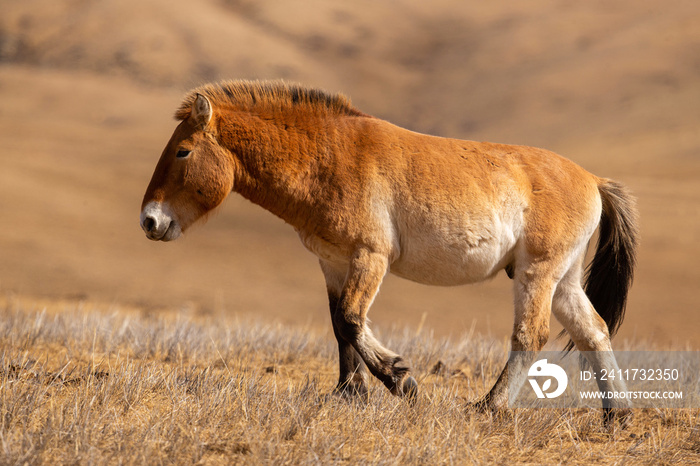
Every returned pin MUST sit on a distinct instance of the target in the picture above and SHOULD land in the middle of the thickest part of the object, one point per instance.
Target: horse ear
(201, 111)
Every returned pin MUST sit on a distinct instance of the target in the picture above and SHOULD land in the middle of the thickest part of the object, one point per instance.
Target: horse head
(193, 176)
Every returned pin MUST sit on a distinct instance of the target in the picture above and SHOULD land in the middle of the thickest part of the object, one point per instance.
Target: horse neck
(279, 159)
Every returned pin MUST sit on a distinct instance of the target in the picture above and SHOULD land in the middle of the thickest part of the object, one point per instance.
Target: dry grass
(81, 385)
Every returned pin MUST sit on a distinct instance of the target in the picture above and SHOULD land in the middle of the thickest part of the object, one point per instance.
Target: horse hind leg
(533, 290)
(589, 332)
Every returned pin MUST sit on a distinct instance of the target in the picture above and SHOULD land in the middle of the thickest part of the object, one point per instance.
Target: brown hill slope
(88, 89)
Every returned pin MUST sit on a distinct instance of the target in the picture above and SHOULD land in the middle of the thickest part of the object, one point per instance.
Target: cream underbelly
(442, 254)
(455, 264)
(455, 250)
(433, 259)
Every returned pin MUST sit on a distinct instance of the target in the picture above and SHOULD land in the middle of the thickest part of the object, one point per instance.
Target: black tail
(610, 273)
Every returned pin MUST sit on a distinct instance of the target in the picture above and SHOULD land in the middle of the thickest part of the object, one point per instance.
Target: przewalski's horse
(368, 198)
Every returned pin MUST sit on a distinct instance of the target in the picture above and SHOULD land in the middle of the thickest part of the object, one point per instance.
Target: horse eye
(182, 153)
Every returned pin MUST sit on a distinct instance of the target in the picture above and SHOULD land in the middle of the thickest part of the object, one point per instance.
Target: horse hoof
(410, 388)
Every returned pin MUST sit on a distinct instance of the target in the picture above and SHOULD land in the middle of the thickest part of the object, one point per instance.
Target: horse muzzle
(158, 222)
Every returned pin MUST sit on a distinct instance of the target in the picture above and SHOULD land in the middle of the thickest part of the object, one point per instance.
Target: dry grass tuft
(85, 386)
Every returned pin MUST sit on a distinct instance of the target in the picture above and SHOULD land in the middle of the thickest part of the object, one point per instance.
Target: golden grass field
(218, 347)
(90, 385)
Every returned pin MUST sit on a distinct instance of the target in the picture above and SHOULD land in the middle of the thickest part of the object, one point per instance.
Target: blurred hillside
(88, 89)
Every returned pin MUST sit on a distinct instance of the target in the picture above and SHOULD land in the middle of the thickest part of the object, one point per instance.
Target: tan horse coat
(368, 198)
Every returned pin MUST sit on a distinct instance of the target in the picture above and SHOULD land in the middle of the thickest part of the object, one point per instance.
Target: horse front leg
(364, 276)
(352, 378)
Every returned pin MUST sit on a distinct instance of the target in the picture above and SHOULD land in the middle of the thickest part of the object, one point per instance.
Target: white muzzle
(159, 223)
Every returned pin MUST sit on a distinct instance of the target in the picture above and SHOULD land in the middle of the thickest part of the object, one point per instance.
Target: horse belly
(454, 256)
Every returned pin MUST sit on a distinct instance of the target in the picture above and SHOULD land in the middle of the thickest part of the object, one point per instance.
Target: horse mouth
(158, 224)
(171, 233)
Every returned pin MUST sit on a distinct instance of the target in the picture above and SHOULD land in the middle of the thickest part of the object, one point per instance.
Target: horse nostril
(148, 224)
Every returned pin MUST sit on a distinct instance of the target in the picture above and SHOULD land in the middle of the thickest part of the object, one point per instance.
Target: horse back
(449, 211)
